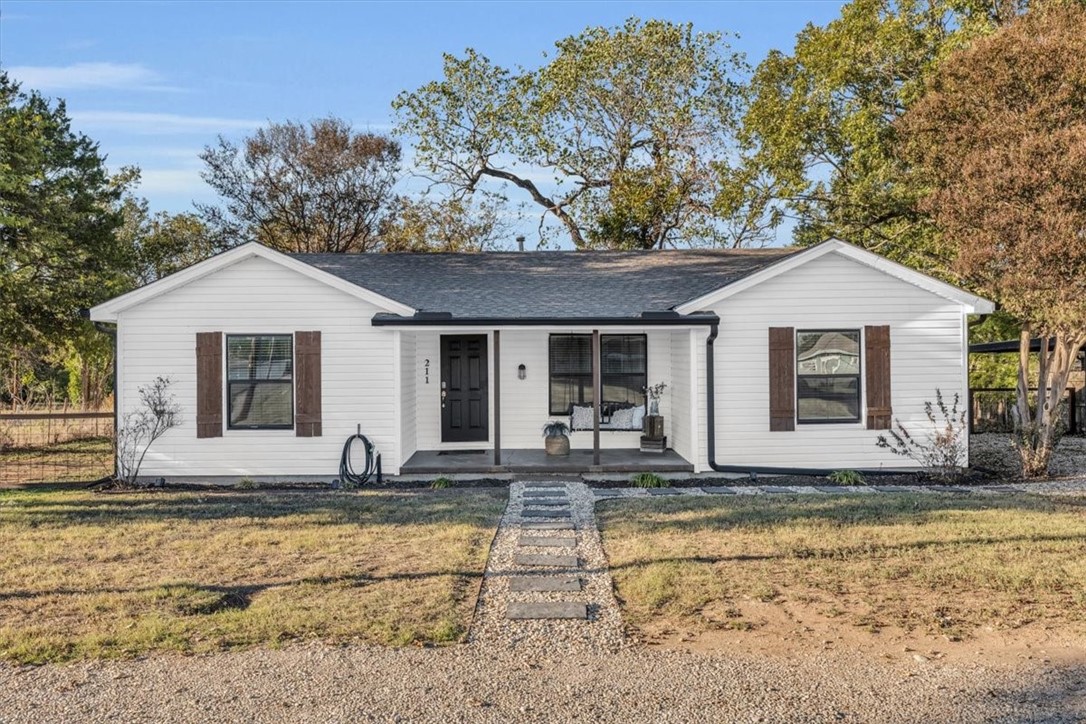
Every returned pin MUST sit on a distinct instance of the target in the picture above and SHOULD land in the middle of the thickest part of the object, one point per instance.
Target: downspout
(710, 430)
(111, 330)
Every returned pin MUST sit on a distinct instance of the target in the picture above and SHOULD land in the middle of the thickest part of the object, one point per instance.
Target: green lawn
(87, 574)
(934, 563)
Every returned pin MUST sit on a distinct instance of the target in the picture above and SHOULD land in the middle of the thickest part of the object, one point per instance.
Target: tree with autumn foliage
(999, 142)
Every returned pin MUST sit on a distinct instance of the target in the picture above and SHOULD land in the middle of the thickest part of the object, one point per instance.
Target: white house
(774, 358)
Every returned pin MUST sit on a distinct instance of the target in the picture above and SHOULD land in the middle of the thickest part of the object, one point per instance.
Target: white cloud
(159, 123)
(173, 181)
(82, 76)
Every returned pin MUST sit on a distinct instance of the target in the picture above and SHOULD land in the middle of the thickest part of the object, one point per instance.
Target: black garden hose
(348, 476)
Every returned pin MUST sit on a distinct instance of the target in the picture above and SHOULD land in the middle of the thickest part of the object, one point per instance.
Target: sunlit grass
(87, 574)
(921, 562)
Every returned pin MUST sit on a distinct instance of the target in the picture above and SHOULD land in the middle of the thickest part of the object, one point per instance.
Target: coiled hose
(349, 477)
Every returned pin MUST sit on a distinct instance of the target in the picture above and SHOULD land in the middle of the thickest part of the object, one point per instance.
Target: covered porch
(527, 461)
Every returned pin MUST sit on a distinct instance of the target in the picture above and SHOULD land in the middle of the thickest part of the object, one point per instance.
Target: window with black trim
(828, 375)
(260, 381)
(623, 371)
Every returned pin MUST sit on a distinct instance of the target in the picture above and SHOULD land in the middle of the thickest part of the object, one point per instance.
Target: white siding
(358, 365)
(408, 423)
(680, 395)
(926, 333)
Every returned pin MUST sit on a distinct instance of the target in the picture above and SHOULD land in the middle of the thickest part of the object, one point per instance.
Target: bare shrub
(942, 451)
(157, 414)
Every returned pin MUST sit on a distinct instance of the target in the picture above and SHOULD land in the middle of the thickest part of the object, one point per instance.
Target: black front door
(465, 413)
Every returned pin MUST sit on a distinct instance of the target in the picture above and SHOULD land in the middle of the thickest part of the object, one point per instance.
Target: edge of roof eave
(645, 319)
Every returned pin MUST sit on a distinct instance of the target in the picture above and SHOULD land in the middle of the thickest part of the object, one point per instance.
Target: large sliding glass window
(828, 376)
(623, 370)
(260, 381)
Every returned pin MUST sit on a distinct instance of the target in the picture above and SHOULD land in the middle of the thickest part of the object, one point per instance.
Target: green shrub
(440, 483)
(649, 480)
(847, 477)
(246, 483)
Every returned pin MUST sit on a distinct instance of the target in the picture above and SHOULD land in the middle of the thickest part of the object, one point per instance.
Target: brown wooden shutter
(782, 379)
(209, 384)
(307, 384)
(877, 360)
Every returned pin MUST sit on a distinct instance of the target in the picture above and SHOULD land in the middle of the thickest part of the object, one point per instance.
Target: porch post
(597, 393)
(497, 397)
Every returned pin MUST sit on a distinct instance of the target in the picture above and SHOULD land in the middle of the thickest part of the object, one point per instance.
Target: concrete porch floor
(434, 462)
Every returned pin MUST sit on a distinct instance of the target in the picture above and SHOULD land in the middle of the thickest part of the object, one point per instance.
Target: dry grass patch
(926, 563)
(87, 574)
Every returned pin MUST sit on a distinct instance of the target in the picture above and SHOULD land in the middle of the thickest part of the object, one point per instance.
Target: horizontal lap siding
(408, 422)
(679, 395)
(257, 296)
(828, 293)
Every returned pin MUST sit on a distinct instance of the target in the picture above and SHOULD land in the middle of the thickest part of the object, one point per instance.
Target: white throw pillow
(637, 419)
(622, 419)
(582, 418)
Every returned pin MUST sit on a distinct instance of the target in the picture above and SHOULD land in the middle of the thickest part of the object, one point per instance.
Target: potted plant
(557, 441)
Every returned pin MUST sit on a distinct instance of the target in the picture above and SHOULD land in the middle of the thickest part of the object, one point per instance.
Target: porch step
(547, 541)
(544, 584)
(526, 559)
(547, 610)
(556, 525)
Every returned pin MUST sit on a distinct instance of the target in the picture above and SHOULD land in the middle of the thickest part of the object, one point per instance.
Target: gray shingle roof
(523, 285)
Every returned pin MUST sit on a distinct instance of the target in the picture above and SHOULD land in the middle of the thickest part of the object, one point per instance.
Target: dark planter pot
(557, 445)
(653, 427)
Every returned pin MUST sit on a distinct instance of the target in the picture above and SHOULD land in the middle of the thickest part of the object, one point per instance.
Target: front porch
(524, 461)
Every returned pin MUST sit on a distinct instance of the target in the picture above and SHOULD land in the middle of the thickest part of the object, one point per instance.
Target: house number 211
(426, 370)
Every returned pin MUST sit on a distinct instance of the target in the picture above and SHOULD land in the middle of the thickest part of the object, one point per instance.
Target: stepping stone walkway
(546, 581)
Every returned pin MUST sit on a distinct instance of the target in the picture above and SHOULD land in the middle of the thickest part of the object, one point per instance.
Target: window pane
(828, 353)
(571, 354)
(267, 357)
(569, 390)
(626, 389)
(261, 404)
(828, 398)
(623, 353)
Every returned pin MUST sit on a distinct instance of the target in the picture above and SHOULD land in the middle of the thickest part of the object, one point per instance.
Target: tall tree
(320, 187)
(445, 225)
(999, 142)
(58, 248)
(618, 137)
(819, 130)
(162, 243)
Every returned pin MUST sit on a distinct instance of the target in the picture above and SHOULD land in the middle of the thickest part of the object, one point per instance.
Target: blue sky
(155, 82)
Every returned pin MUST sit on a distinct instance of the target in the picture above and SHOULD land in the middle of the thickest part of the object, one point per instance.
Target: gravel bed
(480, 683)
(995, 452)
(603, 632)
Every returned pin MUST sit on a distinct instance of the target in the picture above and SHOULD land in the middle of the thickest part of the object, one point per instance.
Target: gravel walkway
(602, 631)
(1067, 487)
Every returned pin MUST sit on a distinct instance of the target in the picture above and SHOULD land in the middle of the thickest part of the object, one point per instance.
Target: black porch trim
(444, 319)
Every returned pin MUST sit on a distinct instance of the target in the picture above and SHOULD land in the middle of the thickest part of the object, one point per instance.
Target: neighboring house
(775, 358)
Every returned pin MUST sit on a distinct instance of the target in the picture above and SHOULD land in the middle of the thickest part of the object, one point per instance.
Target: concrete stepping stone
(606, 493)
(546, 609)
(543, 513)
(555, 525)
(775, 490)
(663, 491)
(547, 541)
(546, 559)
(545, 584)
(544, 493)
(835, 489)
(718, 490)
(544, 503)
(543, 484)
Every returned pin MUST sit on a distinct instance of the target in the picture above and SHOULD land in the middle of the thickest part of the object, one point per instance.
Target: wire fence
(45, 447)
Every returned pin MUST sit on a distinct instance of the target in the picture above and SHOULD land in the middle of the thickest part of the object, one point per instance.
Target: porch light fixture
(522, 372)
